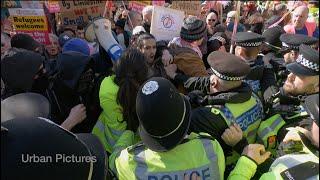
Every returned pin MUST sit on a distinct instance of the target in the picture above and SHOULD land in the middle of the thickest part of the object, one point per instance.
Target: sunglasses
(212, 20)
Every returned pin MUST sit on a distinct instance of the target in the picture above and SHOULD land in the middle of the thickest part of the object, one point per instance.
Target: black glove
(196, 98)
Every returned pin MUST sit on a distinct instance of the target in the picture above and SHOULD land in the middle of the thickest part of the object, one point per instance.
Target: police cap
(227, 66)
(248, 39)
(293, 41)
(312, 106)
(307, 63)
(272, 37)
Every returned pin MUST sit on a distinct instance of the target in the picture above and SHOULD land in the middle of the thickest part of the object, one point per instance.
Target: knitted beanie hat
(77, 45)
(192, 29)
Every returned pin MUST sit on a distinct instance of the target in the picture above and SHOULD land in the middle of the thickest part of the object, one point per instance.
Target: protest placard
(76, 12)
(166, 23)
(138, 5)
(34, 4)
(189, 7)
(158, 2)
(30, 21)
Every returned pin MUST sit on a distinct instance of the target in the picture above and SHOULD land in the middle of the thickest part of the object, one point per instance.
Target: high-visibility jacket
(198, 154)
(270, 128)
(297, 165)
(110, 124)
(247, 115)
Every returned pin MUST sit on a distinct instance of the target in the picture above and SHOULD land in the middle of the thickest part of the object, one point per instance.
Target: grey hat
(193, 29)
(24, 105)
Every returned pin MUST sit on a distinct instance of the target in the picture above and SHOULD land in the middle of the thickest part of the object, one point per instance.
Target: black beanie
(24, 41)
(192, 29)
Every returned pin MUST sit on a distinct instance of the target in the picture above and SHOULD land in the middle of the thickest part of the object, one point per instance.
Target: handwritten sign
(30, 21)
(166, 23)
(189, 7)
(138, 5)
(77, 12)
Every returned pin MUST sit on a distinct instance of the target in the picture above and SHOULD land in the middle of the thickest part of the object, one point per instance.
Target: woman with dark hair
(118, 98)
(157, 53)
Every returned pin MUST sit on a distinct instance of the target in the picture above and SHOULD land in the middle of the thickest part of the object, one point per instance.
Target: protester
(146, 17)
(123, 36)
(134, 20)
(300, 25)
(22, 71)
(254, 23)
(53, 49)
(25, 41)
(5, 43)
(211, 20)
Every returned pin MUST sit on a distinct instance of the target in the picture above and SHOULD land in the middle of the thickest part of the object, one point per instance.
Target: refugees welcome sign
(32, 22)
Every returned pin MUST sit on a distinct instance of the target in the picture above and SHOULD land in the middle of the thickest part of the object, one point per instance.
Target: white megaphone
(99, 31)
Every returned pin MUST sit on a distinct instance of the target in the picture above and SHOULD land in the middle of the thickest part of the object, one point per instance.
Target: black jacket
(203, 120)
(63, 94)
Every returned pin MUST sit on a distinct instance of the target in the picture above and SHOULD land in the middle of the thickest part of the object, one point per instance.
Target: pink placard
(158, 2)
(40, 36)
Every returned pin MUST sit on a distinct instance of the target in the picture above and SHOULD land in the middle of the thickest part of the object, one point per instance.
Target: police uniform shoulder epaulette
(136, 146)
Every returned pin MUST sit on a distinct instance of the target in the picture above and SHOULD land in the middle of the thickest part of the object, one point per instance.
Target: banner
(158, 2)
(138, 5)
(189, 7)
(77, 12)
(166, 23)
(32, 4)
(30, 21)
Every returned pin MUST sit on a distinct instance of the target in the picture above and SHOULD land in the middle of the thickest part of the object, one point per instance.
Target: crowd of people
(235, 96)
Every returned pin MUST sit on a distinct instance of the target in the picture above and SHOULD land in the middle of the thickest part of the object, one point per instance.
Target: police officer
(299, 151)
(302, 81)
(290, 52)
(166, 150)
(271, 51)
(291, 43)
(231, 101)
(261, 76)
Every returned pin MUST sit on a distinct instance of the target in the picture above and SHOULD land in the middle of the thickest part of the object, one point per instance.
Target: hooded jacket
(18, 70)
(63, 91)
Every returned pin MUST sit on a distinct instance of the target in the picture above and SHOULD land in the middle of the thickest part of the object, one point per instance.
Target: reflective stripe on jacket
(110, 124)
